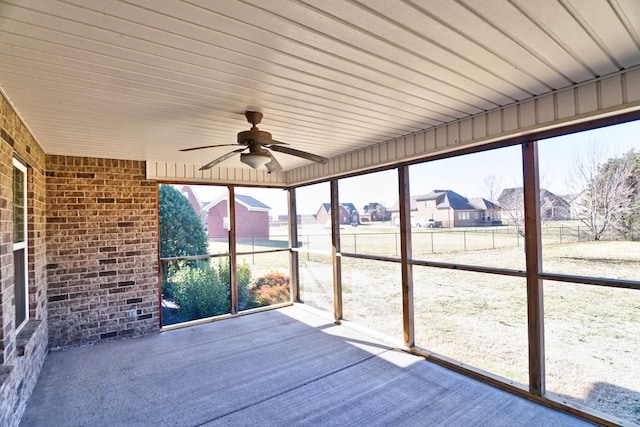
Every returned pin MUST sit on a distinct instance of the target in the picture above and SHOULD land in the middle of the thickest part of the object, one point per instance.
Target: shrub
(170, 270)
(204, 290)
(168, 288)
(272, 288)
(200, 293)
(244, 278)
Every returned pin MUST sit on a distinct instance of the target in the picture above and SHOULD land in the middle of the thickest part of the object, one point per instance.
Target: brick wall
(323, 217)
(21, 353)
(251, 223)
(93, 254)
(248, 223)
(187, 191)
(102, 250)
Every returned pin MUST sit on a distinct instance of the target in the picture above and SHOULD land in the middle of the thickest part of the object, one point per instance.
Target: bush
(244, 277)
(168, 289)
(272, 288)
(170, 271)
(204, 291)
(199, 292)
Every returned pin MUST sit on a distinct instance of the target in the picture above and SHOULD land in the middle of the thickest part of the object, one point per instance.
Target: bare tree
(511, 201)
(491, 187)
(604, 189)
(628, 223)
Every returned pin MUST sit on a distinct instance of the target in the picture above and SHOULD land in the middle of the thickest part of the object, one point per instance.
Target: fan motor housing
(259, 136)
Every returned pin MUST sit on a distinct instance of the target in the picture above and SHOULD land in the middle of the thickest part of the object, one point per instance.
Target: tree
(491, 186)
(628, 219)
(181, 231)
(606, 190)
(511, 200)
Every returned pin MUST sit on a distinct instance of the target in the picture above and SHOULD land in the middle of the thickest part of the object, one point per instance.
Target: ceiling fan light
(255, 159)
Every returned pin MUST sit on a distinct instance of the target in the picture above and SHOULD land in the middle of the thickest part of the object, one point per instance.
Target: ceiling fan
(257, 142)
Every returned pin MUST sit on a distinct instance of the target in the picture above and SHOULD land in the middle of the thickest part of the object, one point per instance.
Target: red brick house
(193, 198)
(348, 214)
(252, 217)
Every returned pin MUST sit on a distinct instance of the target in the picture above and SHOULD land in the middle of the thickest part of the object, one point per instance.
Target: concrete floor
(290, 366)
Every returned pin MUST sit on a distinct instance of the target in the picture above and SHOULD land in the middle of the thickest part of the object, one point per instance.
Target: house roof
(483, 204)
(248, 202)
(251, 202)
(413, 205)
(448, 199)
(350, 207)
(119, 80)
(509, 195)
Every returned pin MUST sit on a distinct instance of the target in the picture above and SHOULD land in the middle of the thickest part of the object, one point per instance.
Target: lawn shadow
(613, 400)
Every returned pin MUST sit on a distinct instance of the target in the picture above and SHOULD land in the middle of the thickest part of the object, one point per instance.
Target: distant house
(446, 208)
(252, 217)
(490, 212)
(375, 212)
(193, 198)
(552, 207)
(413, 210)
(348, 214)
(283, 220)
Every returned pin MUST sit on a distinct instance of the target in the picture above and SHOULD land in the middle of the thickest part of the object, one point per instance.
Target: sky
(466, 175)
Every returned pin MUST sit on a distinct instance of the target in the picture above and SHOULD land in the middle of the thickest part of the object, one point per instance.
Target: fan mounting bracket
(253, 117)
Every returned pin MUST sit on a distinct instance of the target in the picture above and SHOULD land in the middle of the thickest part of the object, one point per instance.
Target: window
(313, 209)
(371, 289)
(262, 247)
(20, 243)
(194, 258)
(476, 317)
(238, 261)
(592, 235)
(450, 240)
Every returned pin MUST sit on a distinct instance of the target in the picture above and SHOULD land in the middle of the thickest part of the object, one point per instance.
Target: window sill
(24, 336)
(5, 370)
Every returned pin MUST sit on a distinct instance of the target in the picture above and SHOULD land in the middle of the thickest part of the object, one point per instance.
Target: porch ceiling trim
(611, 95)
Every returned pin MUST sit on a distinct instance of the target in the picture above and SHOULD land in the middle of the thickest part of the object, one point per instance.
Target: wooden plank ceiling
(141, 79)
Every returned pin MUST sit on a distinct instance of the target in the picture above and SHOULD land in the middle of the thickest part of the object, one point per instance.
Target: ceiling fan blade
(273, 141)
(273, 165)
(207, 146)
(221, 159)
(298, 153)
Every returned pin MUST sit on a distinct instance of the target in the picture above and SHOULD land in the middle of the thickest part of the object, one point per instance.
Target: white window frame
(23, 244)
